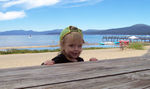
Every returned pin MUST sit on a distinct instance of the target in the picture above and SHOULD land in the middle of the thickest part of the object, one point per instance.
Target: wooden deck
(117, 38)
(125, 73)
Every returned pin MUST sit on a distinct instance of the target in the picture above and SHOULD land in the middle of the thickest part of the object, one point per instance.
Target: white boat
(29, 36)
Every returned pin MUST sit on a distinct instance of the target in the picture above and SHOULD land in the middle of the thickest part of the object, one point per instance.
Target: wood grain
(124, 73)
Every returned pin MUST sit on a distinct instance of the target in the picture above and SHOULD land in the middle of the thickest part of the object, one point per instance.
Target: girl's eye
(79, 46)
(71, 45)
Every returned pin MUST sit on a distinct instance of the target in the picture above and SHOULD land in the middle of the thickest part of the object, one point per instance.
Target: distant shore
(33, 59)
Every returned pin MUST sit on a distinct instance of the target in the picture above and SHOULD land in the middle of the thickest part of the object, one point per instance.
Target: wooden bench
(124, 73)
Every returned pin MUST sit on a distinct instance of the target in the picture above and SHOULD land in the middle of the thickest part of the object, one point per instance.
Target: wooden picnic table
(123, 73)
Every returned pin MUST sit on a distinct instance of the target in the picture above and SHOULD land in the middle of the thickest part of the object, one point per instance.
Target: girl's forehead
(74, 41)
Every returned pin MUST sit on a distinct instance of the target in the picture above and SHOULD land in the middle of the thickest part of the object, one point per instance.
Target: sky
(44, 15)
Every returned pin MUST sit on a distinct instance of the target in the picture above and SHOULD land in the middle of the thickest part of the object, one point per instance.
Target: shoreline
(20, 47)
(34, 59)
(42, 46)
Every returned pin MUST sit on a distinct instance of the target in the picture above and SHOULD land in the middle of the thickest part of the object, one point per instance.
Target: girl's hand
(93, 59)
(48, 62)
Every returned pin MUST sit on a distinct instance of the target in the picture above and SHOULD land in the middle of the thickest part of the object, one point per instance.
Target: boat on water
(29, 36)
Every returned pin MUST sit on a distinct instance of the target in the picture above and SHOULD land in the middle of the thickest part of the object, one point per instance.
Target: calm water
(40, 40)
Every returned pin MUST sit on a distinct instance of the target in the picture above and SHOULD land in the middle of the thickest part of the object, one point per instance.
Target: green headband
(68, 30)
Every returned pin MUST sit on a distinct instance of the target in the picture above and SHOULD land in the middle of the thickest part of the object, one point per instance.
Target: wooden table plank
(140, 80)
(37, 76)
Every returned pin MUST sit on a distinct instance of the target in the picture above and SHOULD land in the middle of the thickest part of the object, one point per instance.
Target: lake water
(40, 40)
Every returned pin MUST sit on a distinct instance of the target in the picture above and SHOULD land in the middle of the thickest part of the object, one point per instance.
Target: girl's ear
(62, 46)
(62, 49)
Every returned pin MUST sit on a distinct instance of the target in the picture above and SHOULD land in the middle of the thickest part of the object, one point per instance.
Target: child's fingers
(48, 62)
(93, 59)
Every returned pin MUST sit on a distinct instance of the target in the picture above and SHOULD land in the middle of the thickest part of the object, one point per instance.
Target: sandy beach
(34, 59)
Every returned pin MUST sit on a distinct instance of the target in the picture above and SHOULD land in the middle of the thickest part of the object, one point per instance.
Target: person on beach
(71, 41)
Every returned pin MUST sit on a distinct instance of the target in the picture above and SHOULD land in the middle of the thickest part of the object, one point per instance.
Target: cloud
(29, 4)
(25, 5)
(76, 3)
(12, 15)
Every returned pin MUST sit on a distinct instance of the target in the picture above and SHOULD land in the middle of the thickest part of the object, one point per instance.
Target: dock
(118, 38)
(121, 73)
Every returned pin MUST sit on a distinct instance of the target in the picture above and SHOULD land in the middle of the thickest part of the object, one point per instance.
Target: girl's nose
(76, 48)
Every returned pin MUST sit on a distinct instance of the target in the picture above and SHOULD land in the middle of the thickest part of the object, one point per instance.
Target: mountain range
(137, 29)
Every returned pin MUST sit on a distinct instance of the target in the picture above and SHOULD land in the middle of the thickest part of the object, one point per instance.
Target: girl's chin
(74, 56)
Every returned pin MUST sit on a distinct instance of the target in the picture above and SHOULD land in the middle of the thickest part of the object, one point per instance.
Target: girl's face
(72, 46)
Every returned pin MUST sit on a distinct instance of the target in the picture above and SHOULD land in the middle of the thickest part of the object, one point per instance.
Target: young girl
(71, 41)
